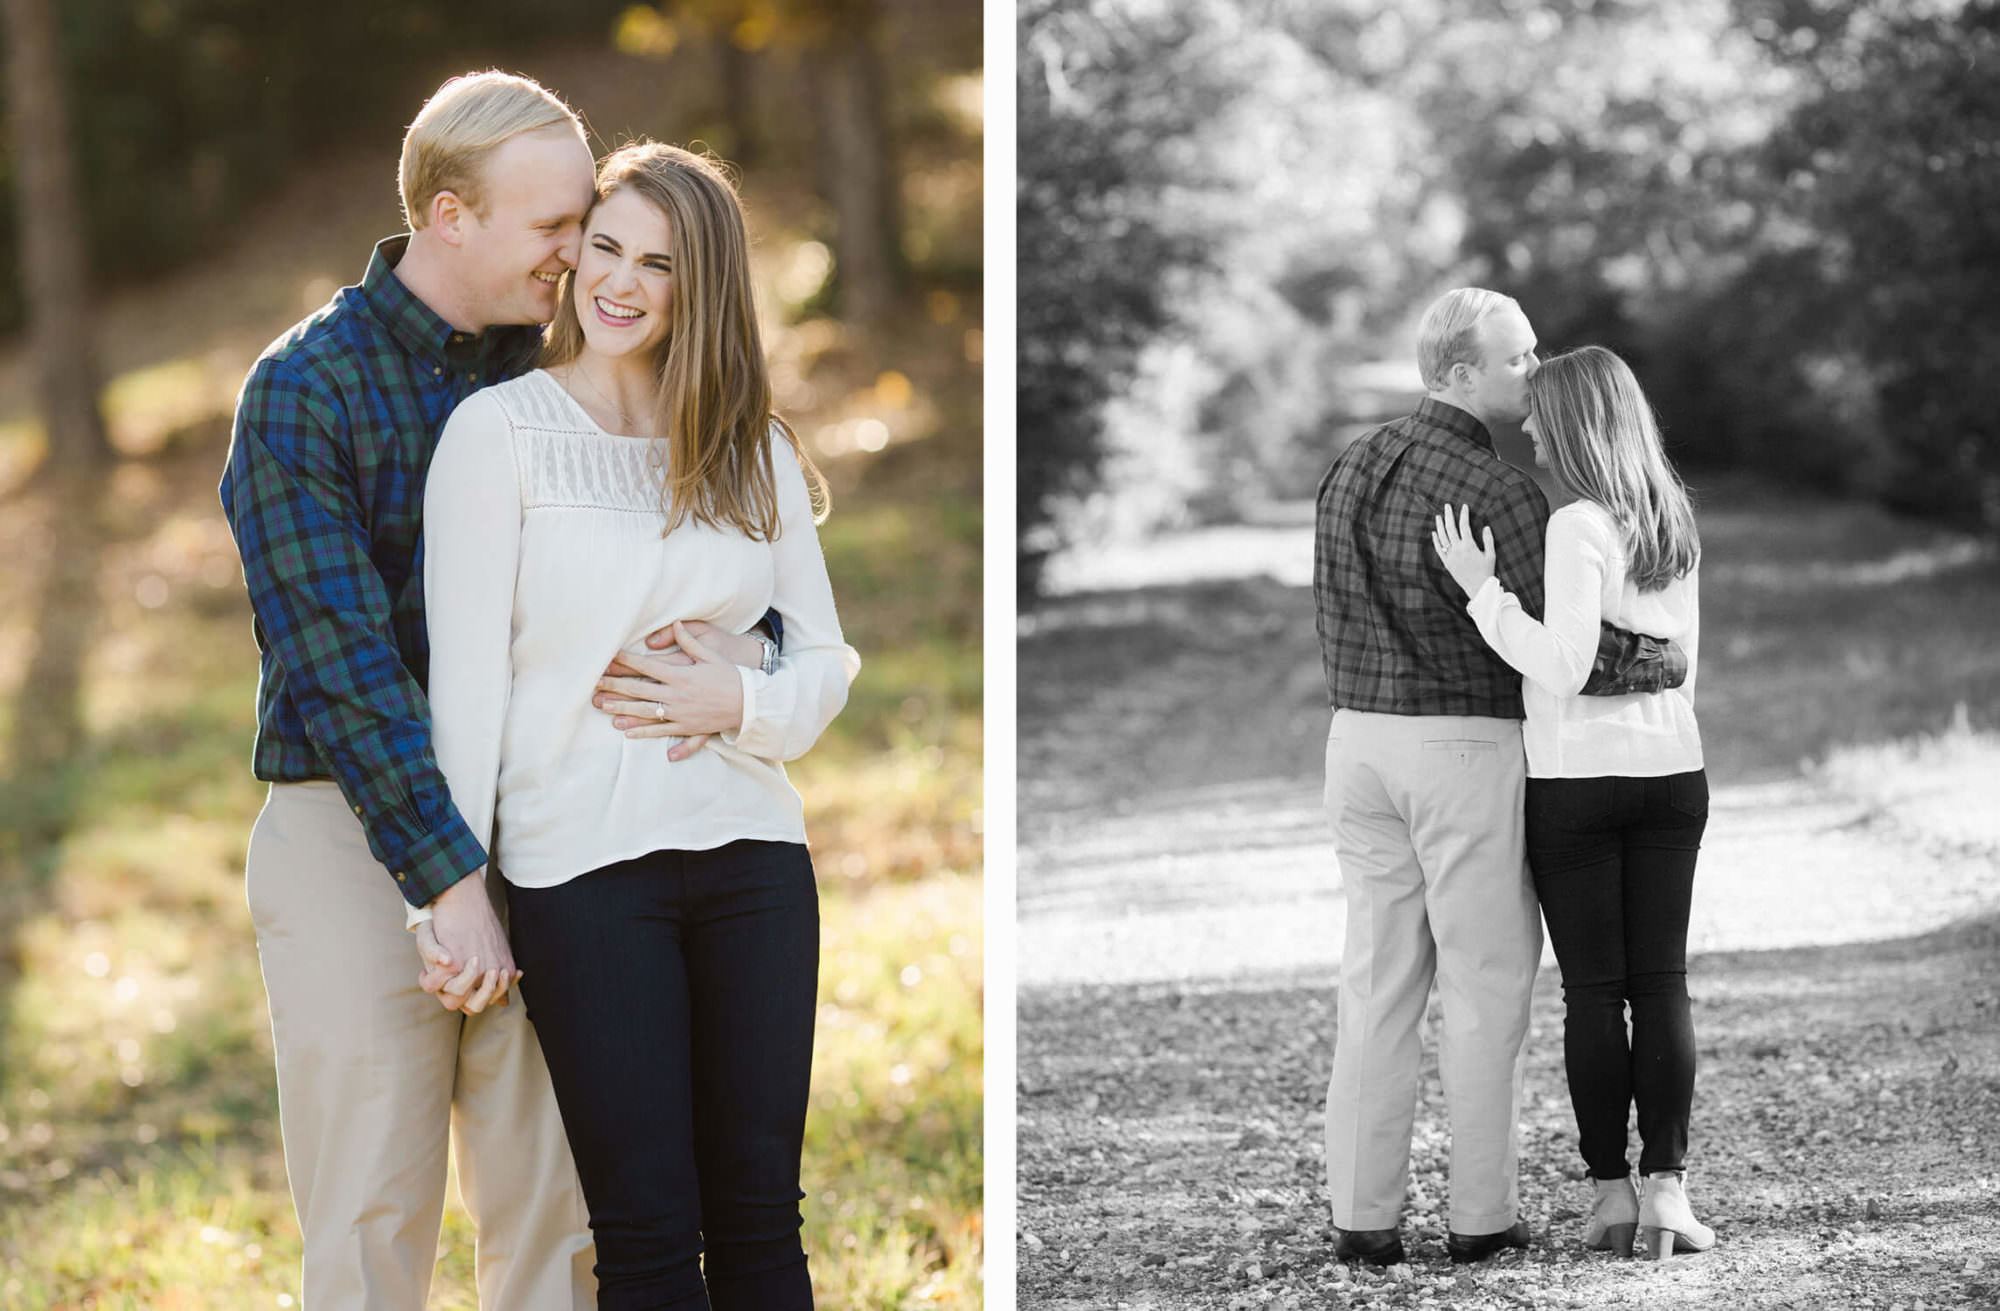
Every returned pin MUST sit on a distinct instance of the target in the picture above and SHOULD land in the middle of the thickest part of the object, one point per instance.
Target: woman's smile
(615, 315)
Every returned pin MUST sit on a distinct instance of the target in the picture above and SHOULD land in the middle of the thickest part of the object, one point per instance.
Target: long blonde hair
(714, 415)
(1603, 443)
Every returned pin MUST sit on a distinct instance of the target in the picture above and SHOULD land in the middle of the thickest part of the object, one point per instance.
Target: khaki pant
(373, 1074)
(1428, 823)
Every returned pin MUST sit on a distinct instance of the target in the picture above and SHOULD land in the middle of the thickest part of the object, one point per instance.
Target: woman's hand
(1470, 564)
(463, 931)
(673, 699)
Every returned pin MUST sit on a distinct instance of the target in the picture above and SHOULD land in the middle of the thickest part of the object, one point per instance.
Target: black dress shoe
(1375, 1246)
(1464, 1249)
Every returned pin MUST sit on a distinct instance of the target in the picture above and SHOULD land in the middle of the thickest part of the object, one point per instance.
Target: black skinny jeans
(673, 996)
(1613, 861)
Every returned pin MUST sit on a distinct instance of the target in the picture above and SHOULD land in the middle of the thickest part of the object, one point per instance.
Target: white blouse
(544, 558)
(1642, 735)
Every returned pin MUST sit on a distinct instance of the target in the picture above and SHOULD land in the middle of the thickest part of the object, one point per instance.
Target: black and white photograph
(1509, 713)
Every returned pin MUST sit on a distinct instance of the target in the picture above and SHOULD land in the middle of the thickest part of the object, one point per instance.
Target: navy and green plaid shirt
(324, 491)
(1394, 634)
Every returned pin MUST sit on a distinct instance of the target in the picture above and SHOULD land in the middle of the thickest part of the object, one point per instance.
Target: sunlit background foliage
(1783, 212)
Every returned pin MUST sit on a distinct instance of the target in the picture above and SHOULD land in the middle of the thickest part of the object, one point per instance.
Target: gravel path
(1177, 1018)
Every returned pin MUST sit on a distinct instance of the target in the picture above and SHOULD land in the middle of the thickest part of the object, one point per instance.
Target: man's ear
(448, 216)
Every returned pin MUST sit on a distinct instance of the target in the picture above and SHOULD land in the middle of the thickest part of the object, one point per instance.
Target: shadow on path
(45, 775)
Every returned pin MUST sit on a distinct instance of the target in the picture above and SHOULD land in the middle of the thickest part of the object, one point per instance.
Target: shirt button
(402, 878)
(437, 372)
(357, 810)
(475, 377)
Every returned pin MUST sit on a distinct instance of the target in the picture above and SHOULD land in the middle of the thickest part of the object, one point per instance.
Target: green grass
(141, 1153)
(139, 1157)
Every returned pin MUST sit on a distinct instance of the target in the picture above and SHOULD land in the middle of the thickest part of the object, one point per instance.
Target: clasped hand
(1469, 563)
(467, 963)
(686, 686)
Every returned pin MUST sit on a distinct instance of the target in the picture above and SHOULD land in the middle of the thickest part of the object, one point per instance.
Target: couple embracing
(1513, 742)
(539, 615)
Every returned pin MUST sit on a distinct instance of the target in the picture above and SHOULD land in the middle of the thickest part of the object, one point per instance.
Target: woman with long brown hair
(1617, 794)
(662, 903)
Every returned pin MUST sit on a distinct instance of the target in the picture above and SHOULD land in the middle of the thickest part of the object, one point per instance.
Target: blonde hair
(446, 146)
(714, 415)
(1603, 443)
(1449, 331)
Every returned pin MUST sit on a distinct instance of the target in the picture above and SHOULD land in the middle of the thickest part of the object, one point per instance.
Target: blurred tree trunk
(733, 35)
(734, 69)
(54, 267)
(857, 167)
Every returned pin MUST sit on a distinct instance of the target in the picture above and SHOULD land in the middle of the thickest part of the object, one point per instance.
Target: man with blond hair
(359, 837)
(1426, 784)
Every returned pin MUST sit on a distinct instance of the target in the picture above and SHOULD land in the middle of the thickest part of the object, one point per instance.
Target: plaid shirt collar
(420, 330)
(1460, 423)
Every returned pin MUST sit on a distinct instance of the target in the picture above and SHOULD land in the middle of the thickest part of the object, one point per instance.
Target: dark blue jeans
(1613, 861)
(673, 996)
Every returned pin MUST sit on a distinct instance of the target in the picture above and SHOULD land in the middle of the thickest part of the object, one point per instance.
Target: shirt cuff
(415, 915)
(1482, 603)
(751, 680)
(438, 860)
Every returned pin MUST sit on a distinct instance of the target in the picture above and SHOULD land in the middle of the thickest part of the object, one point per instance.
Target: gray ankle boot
(1666, 1221)
(1614, 1216)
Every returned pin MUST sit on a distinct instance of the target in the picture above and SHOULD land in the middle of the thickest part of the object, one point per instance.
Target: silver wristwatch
(770, 662)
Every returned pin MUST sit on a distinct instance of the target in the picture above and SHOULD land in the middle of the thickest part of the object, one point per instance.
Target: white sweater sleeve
(1691, 641)
(785, 712)
(472, 538)
(1556, 653)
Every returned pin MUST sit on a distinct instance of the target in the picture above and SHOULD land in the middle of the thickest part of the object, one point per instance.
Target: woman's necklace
(625, 425)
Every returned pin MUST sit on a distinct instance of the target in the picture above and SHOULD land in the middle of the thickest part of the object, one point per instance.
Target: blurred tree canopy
(1782, 211)
(1093, 243)
(186, 112)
